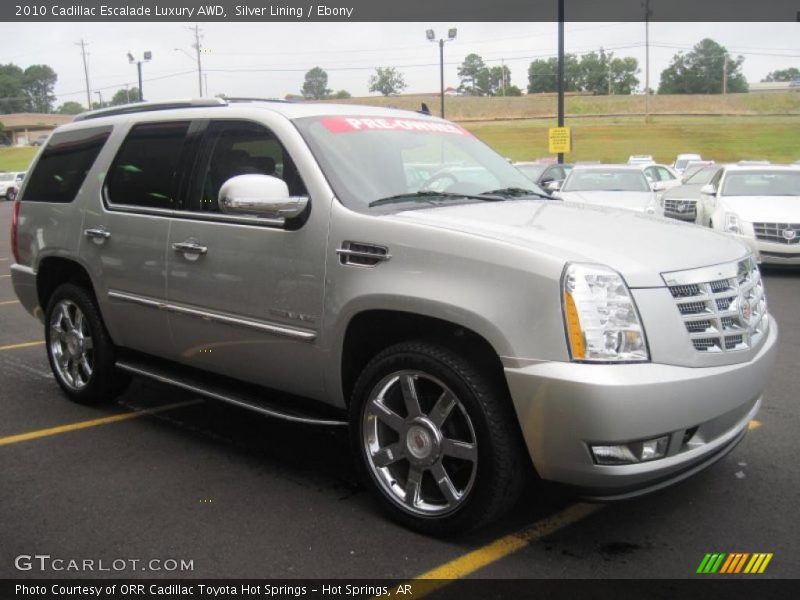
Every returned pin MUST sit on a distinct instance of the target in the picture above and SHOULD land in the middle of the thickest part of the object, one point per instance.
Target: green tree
(12, 94)
(71, 108)
(470, 71)
(38, 82)
(342, 95)
(125, 96)
(789, 74)
(543, 75)
(387, 81)
(499, 79)
(315, 85)
(623, 75)
(702, 71)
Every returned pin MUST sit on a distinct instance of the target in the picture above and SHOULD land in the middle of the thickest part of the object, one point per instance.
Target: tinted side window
(241, 148)
(145, 171)
(64, 163)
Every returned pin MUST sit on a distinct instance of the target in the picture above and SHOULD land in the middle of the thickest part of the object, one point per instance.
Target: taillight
(14, 227)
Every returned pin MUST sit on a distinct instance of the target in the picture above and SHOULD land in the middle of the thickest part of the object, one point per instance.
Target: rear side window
(145, 171)
(64, 163)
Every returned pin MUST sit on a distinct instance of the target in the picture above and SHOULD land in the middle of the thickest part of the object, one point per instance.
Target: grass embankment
(16, 159)
(517, 127)
(776, 139)
(466, 108)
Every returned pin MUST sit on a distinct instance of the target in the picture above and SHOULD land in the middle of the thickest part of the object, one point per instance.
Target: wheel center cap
(74, 345)
(422, 442)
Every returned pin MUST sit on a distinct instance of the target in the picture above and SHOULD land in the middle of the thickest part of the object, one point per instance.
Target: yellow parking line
(477, 559)
(23, 345)
(5, 302)
(40, 433)
(3, 259)
(4, 276)
(753, 424)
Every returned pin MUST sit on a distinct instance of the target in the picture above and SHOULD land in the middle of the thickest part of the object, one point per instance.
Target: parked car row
(752, 199)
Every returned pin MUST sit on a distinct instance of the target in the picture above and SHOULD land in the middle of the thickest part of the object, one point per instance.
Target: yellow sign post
(559, 140)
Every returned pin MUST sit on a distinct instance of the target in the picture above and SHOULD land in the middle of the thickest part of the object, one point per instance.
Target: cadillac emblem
(789, 234)
(745, 310)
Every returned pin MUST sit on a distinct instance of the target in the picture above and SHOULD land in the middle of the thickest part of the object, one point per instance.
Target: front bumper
(565, 407)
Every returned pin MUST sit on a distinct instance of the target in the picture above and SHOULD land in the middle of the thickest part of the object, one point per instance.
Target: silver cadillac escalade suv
(387, 271)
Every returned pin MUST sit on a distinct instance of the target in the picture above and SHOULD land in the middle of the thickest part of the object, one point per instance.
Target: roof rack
(150, 106)
(246, 99)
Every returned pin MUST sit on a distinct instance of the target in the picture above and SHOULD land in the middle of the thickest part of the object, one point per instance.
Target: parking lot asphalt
(244, 496)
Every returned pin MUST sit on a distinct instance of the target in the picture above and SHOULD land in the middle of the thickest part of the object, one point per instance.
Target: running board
(214, 387)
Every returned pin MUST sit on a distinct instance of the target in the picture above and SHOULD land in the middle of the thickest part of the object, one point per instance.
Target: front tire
(11, 195)
(79, 348)
(436, 438)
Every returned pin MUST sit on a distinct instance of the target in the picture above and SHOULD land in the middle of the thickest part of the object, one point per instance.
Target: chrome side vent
(362, 254)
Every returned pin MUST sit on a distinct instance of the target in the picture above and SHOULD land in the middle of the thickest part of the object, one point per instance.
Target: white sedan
(760, 206)
(617, 186)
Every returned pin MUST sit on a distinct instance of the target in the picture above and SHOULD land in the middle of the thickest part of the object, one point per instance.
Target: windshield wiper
(515, 192)
(430, 197)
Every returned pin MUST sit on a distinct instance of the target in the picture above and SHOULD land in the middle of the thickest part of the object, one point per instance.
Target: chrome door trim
(305, 335)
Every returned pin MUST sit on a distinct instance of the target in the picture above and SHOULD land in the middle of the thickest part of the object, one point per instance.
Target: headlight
(732, 224)
(600, 316)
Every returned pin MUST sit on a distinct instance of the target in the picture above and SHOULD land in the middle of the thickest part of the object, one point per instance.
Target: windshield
(605, 180)
(702, 175)
(762, 183)
(391, 163)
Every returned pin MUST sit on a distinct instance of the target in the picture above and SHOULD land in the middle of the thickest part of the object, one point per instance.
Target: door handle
(189, 247)
(97, 234)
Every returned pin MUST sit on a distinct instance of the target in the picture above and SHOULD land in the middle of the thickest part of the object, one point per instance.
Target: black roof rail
(127, 109)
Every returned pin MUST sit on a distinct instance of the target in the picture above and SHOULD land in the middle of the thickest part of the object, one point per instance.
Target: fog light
(633, 452)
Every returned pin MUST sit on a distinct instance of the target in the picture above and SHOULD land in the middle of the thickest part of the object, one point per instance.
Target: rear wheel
(79, 349)
(435, 438)
(11, 194)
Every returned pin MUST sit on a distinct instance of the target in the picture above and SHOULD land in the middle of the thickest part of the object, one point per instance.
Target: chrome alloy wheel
(71, 345)
(420, 443)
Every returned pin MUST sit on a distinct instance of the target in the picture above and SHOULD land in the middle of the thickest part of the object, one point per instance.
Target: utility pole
(198, 49)
(647, 14)
(503, 75)
(431, 37)
(82, 44)
(725, 75)
(100, 99)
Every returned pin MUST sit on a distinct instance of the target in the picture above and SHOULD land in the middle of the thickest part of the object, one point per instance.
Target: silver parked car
(464, 328)
(615, 186)
(680, 202)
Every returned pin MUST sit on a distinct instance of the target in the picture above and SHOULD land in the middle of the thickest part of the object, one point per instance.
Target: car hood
(764, 209)
(639, 246)
(628, 200)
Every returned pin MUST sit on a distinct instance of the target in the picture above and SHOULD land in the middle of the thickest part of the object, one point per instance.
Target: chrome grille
(723, 308)
(681, 208)
(779, 233)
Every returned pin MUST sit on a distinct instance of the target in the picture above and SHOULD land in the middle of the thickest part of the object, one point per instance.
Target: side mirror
(262, 196)
(553, 186)
(659, 186)
(708, 190)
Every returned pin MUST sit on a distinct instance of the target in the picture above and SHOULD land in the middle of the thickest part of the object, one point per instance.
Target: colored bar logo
(734, 563)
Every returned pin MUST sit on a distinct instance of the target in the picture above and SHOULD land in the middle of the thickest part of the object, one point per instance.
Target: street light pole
(451, 35)
(561, 71)
(147, 56)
